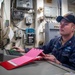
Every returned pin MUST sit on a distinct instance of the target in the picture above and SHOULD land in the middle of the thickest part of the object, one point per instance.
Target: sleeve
(71, 61)
(26, 50)
(48, 47)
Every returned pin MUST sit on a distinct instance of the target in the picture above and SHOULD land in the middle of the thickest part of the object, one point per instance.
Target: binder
(23, 60)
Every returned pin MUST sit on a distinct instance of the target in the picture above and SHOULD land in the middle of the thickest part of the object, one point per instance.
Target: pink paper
(32, 54)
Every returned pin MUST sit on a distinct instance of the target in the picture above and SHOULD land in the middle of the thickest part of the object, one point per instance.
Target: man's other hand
(18, 49)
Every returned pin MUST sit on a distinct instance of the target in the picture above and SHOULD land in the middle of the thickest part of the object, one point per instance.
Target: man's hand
(51, 58)
(18, 49)
(42, 54)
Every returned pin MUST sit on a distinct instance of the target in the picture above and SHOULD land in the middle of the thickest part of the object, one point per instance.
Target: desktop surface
(35, 68)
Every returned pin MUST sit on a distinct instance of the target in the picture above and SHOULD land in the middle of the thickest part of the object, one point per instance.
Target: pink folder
(19, 61)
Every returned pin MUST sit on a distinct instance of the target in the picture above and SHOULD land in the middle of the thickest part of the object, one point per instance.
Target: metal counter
(37, 68)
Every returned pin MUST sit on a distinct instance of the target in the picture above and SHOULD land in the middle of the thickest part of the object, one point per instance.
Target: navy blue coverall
(63, 53)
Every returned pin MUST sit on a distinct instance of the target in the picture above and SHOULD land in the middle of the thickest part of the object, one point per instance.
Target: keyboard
(13, 52)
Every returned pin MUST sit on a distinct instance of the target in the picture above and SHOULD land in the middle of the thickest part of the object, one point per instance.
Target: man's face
(66, 28)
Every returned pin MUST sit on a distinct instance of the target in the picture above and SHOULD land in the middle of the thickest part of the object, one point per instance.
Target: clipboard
(23, 60)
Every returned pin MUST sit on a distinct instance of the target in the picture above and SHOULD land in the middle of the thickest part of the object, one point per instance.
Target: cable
(8, 40)
(16, 26)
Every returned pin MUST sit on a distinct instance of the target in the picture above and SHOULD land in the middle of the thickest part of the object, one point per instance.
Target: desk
(35, 68)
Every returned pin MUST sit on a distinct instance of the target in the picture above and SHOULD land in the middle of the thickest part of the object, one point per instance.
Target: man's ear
(73, 27)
